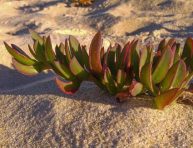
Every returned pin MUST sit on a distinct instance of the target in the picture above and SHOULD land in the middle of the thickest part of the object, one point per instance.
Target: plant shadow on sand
(14, 83)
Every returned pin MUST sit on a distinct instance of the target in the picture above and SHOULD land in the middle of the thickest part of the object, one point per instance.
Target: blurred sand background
(34, 113)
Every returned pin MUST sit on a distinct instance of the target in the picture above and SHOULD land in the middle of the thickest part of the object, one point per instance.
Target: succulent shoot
(83, 2)
(164, 73)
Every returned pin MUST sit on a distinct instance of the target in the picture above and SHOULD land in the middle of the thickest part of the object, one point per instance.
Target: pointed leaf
(36, 37)
(175, 76)
(67, 87)
(19, 55)
(77, 69)
(188, 48)
(24, 69)
(146, 77)
(60, 56)
(94, 54)
(109, 81)
(67, 51)
(163, 66)
(121, 78)
(167, 98)
(85, 57)
(49, 53)
(32, 51)
(161, 46)
(39, 51)
(75, 48)
(63, 71)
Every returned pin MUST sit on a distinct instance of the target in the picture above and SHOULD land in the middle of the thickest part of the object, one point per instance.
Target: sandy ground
(34, 113)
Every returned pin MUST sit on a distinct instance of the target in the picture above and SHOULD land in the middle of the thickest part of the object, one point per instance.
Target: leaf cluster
(127, 71)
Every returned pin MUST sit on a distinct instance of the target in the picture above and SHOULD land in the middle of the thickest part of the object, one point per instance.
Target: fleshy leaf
(136, 88)
(94, 54)
(40, 51)
(19, 55)
(175, 76)
(77, 69)
(146, 77)
(50, 55)
(188, 48)
(85, 57)
(67, 51)
(60, 56)
(32, 51)
(109, 81)
(75, 47)
(63, 71)
(167, 98)
(36, 36)
(163, 66)
(24, 69)
(121, 78)
(67, 87)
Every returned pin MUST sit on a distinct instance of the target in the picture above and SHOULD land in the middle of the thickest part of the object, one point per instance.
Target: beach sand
(33, 111)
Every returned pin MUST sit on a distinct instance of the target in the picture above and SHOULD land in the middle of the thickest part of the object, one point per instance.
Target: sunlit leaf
(167, 98)
(94, 54)
(77, 69)
(175, 76)
(19, 55)
(36, 36)
(50, 55)
(163, 66)
(67, 87)
(24, 69)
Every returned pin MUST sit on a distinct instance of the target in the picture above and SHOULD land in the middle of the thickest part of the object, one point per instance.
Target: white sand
(34, 113)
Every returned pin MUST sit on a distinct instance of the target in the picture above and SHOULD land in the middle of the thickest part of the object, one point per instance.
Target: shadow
(97, 10)
(181, 33)
(39, 6)
(11, 81)
(24, 30)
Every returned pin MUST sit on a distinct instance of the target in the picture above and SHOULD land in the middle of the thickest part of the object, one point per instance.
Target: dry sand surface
(34, 113)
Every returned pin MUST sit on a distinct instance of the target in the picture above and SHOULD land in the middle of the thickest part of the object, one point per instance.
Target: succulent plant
(83, 2)
(124, 72)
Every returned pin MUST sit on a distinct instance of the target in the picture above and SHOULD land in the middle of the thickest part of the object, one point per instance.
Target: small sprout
(125, 72)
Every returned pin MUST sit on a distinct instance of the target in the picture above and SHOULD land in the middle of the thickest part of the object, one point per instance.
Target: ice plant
(83, 2)
(123, 72)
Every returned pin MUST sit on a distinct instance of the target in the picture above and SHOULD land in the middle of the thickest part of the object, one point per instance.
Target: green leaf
(94, 54)
(49, 53)
(163, 66)
(161, 46)
(175, 76)
(67, 51)
(24, 69)
(39, 51)
(67, 87)
(60, 56)
(36, 37)
(188, 48)
(146, 78)
(167, 98)
(63, 71)
(75, 48)
(136, 88)
(19, 55)
(85, 57)
(109, 81)
(77, 69)
(121, 78)
(32, 51)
